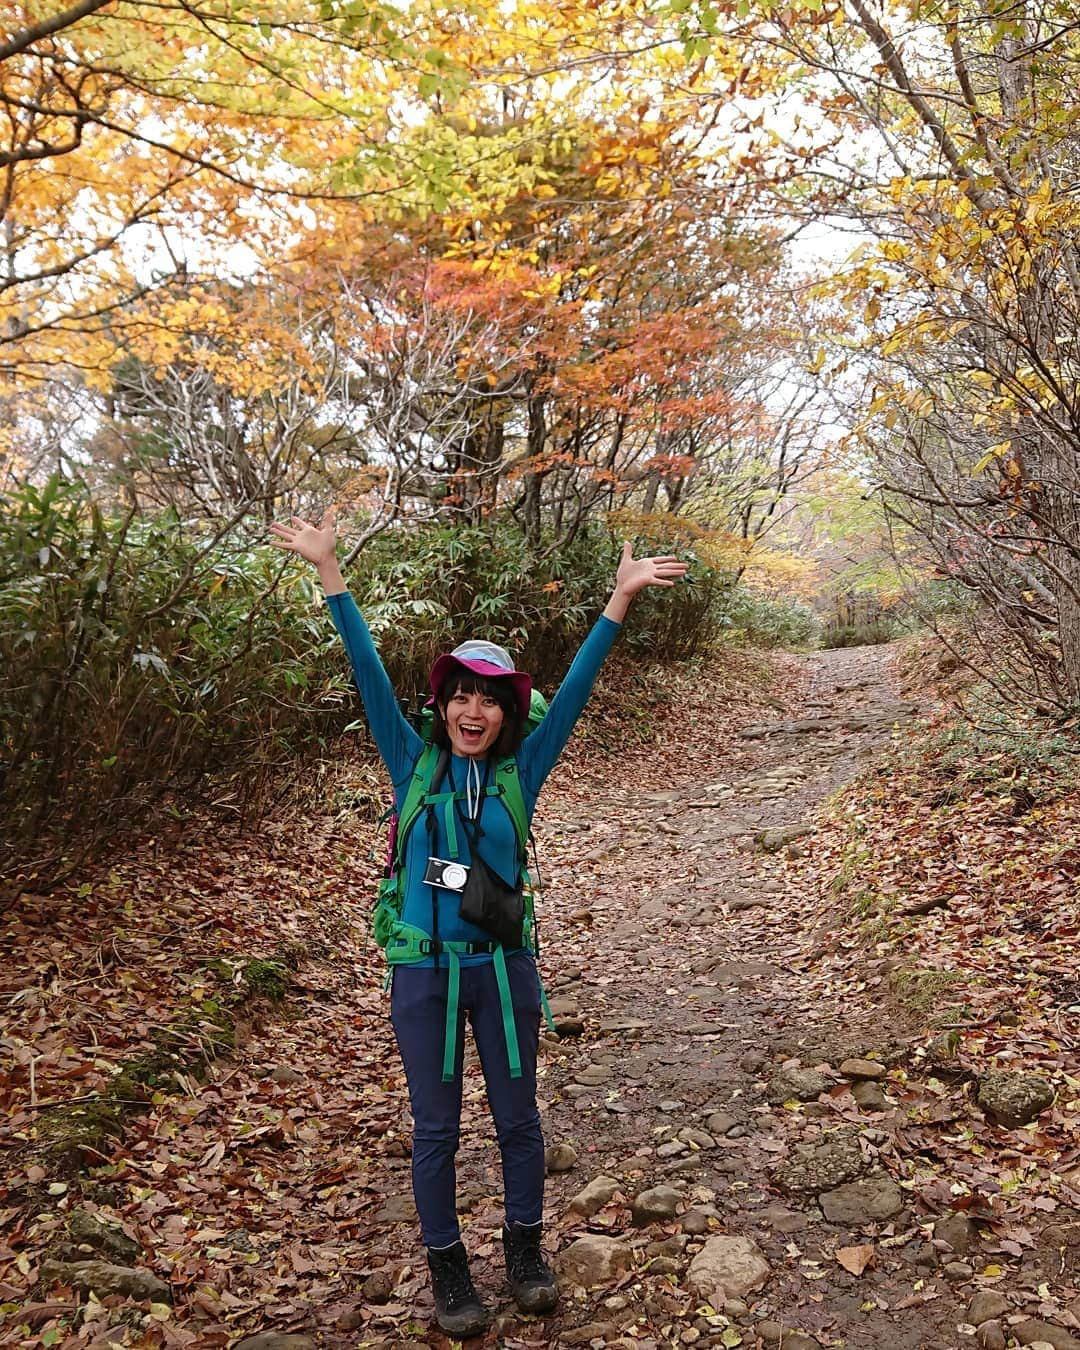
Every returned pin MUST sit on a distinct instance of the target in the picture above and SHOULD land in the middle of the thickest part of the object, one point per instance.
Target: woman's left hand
(635, 574)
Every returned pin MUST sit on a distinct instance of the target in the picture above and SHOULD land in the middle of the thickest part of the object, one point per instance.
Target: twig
(925, 906)
(79, 1101)
(33, 1080)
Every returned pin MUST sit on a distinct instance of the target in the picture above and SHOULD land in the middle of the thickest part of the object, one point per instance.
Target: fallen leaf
(856, 1259)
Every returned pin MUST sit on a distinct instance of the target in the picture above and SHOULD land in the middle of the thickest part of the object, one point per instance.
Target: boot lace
(525, 1259)
(455, 1282)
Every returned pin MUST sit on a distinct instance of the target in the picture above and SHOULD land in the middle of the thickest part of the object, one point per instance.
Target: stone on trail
(93, 1231)
(863, 1069)
(593, 1259)
(593, 1197)
(820, 1164)
(958, 1231)
(991, 1336)
(589, 1332)
(775, 838)
(663, 1265)
(624, 1024)
(103, 1278)
(696, 1138)
(719, 1122)
(874, 1199)
(593, 1075)
(801, 1084)
(560, 1157)
(986, 1305)
(1033, 1331)
(869, 1096)
(398, 1209)
(655, 1205)
(671, 1149)
(727, 1267)
(1013, 1099)
(378, 1287)
(783, 1220)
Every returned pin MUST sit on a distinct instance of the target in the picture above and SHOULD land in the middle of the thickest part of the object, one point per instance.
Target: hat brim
(522, 683)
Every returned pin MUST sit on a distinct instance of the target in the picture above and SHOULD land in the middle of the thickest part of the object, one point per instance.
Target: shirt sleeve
(540, 750)
(398, 744)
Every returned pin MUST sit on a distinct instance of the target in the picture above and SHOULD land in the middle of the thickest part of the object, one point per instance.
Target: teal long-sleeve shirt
(400, 747)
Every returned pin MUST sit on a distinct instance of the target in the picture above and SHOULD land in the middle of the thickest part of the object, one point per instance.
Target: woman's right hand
(316, 543)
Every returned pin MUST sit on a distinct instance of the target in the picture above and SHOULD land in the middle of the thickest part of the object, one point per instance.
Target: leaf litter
(263, 1172)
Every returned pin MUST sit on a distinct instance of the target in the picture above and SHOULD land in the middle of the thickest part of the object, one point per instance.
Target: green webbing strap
(453, 991)
(507, 1004)
(409, 944)
(546, 1005)
(508, 785)
(414, 796)
(451, 828)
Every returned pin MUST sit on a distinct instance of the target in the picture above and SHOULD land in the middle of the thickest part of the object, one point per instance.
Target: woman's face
(473, 723)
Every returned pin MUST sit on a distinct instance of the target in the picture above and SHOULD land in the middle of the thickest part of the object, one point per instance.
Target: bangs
(464, 681)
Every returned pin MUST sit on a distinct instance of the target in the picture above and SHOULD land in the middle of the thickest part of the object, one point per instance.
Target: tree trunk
(536, 439)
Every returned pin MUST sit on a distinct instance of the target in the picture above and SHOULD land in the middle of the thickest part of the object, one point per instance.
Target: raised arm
(398, 743)
(541, 750)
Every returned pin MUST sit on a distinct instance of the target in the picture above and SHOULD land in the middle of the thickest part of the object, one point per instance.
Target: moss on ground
(921, 989)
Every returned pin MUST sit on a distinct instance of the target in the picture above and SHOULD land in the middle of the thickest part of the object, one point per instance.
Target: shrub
(135, 656)
(144, 658)
(540, 607)
(763, 622)
(866, 634)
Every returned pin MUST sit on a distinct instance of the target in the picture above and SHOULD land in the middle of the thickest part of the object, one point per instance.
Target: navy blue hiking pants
(418, 1014)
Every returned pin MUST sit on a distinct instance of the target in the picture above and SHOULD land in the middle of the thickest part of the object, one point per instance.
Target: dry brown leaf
(856, 1259)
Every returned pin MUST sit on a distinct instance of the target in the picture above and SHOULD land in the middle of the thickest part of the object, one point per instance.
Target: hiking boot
(531, 1280)
(458, 1309)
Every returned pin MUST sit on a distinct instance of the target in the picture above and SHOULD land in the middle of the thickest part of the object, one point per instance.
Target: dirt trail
(715, 1002)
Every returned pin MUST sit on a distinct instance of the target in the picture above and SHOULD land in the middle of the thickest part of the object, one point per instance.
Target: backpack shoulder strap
(415, 793)
(508, 784)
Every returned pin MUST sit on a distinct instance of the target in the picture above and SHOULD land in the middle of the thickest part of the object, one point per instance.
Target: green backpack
(405, 943)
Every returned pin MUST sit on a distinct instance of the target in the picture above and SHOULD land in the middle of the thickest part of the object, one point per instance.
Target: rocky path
(730, 1125)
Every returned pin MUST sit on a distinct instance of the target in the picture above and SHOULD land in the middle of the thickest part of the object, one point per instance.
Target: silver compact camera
(450, 876)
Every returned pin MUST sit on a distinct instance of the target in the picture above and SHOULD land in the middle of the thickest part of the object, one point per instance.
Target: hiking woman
(454, 949)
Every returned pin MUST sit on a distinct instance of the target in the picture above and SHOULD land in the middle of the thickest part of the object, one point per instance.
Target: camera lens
(454, 876)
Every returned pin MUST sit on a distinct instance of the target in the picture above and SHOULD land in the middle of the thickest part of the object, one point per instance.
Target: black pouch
(488, 902)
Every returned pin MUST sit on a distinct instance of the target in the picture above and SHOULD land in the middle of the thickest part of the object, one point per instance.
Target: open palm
(635, 574)
(316, 543)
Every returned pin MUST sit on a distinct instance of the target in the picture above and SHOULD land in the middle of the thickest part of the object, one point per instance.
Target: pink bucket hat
(489, 660)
